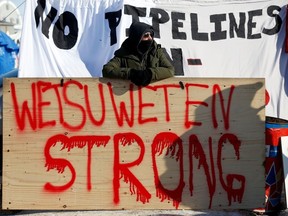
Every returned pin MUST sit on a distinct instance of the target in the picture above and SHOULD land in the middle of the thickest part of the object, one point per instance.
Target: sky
(22, 7)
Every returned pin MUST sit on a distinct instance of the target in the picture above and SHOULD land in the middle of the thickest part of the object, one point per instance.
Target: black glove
(140, 77)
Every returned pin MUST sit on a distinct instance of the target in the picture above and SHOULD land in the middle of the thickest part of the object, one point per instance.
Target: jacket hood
(136, 31)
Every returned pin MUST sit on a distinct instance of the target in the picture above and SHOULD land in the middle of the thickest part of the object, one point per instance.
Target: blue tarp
(8, 51)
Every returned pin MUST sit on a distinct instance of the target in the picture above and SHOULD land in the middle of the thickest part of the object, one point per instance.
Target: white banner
(230, 38)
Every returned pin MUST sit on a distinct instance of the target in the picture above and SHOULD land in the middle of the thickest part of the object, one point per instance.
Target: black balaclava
(144, 46)
(136, 31)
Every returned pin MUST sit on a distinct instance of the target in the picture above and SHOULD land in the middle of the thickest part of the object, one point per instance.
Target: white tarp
(213, 38)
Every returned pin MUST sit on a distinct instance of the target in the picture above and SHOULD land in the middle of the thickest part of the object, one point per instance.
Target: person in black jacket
(139, 59)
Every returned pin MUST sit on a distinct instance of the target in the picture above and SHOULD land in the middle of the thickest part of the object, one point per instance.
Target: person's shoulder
(124, 49)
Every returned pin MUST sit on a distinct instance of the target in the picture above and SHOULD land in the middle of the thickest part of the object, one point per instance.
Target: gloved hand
(140, 77)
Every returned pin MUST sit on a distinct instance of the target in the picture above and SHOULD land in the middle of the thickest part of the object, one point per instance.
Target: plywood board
(87, 143)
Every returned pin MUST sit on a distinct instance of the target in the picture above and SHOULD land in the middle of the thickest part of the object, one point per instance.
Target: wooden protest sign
(87, 143)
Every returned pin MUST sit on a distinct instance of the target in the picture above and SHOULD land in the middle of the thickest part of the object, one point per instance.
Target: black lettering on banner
(175, 17)
(278, 20)
(38, 13)
(114, 19)
(194, 27)
(135, 12)
(65, 32)
(176, 61)
(240, 29)
(251, 24)
(194, 61)
(217, 19)
(48, 21)
(158, 16)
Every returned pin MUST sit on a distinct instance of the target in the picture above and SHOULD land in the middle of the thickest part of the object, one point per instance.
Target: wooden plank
(92, 143)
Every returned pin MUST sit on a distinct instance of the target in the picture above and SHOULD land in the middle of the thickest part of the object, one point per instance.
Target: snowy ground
(129, 212)
(141, 213)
